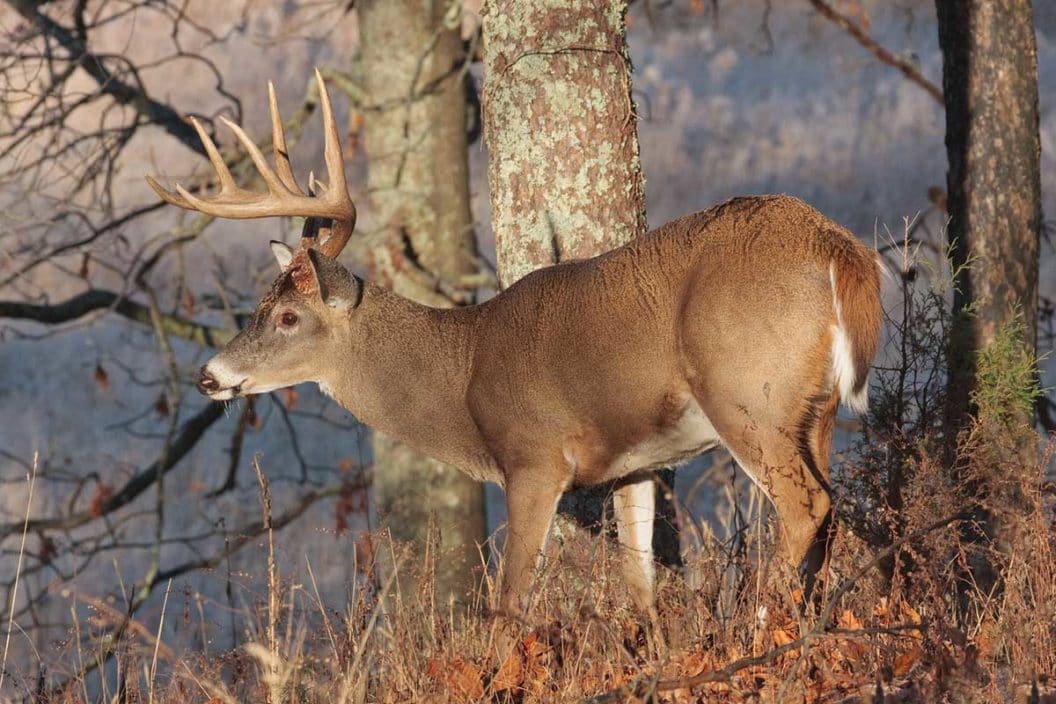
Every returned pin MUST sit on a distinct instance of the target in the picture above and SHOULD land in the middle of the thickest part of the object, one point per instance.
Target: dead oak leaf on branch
(100, 498)
(102, 379)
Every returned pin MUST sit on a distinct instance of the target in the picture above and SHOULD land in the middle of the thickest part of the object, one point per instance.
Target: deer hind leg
(799, 491)
(815, 446)
(634, 507)
(791, 467)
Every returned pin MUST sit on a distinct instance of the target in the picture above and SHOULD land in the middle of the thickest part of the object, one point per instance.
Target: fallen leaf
(909, 613)
(853, 650)
(905, 662)
(784, 636)
(536, 653)
(849, 621)
(691, 664)
(466, 680)
(510, 674)
(461, 676)
(880, 611)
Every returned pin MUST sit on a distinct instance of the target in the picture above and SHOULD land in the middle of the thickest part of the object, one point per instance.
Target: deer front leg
(634, 507)
(531, 502)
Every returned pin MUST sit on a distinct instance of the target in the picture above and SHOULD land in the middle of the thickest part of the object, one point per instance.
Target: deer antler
(284, 196)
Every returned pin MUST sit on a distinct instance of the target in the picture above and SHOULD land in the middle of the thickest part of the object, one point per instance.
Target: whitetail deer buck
(744, 325)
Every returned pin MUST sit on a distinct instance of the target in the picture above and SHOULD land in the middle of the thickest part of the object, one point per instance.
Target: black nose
(205, 382)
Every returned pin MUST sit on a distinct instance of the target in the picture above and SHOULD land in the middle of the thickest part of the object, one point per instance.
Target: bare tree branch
(133, 96)
(99, 299)
(871, 45)
(189, 434)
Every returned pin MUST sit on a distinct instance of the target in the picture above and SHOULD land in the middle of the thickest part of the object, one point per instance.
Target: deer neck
(403, 370)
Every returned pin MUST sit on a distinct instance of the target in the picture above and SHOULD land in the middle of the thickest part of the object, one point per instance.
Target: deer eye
(288, 319)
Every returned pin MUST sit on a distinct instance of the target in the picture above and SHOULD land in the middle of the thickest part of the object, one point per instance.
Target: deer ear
(283, 253)
(337, 286)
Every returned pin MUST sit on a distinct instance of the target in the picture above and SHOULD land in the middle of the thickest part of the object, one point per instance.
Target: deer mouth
(224, 394)
(227, 394)
(245, 388)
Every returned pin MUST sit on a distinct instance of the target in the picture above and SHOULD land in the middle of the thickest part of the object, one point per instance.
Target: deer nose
(206, 383)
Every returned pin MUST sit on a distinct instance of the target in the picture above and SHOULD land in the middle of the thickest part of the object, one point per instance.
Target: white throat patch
(326, 389)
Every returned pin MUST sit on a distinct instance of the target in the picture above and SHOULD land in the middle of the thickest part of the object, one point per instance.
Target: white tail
(850, 375)
(743, 325)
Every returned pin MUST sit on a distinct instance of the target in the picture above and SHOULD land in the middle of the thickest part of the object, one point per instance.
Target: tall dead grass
(895, 624)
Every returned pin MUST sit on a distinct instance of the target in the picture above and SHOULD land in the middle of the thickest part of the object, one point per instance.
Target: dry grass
(885, 634)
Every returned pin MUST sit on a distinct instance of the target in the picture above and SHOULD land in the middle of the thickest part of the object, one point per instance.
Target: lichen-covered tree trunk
(562, 139)
(415, 138)
(990, 81)
(994, 202)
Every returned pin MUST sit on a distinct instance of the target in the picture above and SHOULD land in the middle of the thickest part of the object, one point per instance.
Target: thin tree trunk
(990, 80)
(994, 202)
(415, 137)
(562, 138)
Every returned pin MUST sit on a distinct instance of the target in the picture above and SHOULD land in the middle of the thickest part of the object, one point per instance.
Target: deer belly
(690, 435)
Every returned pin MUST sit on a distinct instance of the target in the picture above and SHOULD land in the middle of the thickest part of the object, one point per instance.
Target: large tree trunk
(419, 183)
(994, 202)
(563, 166)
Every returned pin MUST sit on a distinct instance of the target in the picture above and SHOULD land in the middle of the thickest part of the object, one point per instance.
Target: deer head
(298, 322)
(302, 315)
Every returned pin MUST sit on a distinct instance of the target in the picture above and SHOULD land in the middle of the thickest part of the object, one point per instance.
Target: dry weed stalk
(31, 479)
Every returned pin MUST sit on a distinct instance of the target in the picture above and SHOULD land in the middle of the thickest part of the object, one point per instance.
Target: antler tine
(223, 174)
(225, 181)
(335, 164)
(336, 191)
(167, 195)
(272, 181)
(278, 144)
